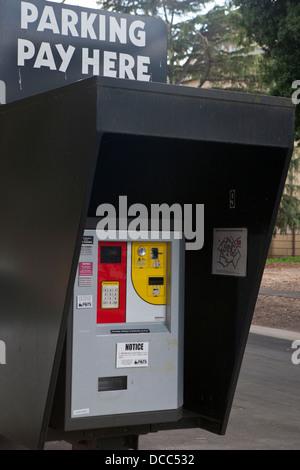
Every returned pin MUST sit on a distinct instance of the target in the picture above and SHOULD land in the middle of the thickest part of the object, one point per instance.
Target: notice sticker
(230, 252)
(132, 354)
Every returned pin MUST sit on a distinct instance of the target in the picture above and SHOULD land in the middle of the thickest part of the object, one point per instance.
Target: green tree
(234, 62)
(201, 47)
(289, 210)
(275, 26)
(182, 33)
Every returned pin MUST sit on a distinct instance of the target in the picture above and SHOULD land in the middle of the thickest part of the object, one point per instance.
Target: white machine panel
(127, 328)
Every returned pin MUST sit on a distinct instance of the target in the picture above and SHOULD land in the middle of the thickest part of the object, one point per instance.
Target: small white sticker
(132, 354)
(84, 411)
(84, 301)
(2, 352)
(230, 252)
(2, 92)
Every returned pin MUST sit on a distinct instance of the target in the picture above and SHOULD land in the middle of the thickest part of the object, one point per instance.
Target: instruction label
(132, 354)
(85, 277)
(84, 301)
(86, 268)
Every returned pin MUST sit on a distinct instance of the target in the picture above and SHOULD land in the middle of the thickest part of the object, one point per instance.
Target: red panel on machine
(111, 298)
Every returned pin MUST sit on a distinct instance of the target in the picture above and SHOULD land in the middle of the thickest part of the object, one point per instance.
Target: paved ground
(278, 305)
(266, 409)
(280, 293)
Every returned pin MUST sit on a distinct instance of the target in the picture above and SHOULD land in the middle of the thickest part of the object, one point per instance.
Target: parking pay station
(126, 330)
(105, 336)
(111, 337)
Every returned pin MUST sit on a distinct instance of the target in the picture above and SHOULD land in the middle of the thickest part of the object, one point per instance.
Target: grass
(289, 259)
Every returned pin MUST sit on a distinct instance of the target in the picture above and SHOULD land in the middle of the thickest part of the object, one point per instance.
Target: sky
(93, 3)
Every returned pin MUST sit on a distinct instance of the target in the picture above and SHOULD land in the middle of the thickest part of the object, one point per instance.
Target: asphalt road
(266, 409)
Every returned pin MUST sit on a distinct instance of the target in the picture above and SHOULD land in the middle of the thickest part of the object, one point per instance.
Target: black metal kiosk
(67, 151)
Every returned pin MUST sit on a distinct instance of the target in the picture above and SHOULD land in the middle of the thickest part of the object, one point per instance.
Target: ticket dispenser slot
(127, 339)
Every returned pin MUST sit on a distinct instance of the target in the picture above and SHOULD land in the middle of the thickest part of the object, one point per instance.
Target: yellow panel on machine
(149, 267)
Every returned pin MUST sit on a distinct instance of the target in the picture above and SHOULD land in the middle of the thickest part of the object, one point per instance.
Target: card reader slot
(156, 281)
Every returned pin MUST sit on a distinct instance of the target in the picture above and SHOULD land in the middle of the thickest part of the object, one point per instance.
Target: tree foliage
(167, 8)
(289, 210)
(275, 26)
(181, 33)
(234, 62)
(200, 46)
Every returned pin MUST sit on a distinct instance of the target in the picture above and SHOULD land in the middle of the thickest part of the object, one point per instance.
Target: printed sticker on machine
(132, 354)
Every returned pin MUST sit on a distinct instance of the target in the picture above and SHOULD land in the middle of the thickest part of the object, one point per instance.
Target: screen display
(110, 254)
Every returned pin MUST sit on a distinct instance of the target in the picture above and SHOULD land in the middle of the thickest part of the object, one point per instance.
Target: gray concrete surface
(280, 293)
(266, 408)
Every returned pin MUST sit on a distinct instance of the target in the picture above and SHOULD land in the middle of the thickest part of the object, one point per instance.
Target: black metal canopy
(65, 152)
